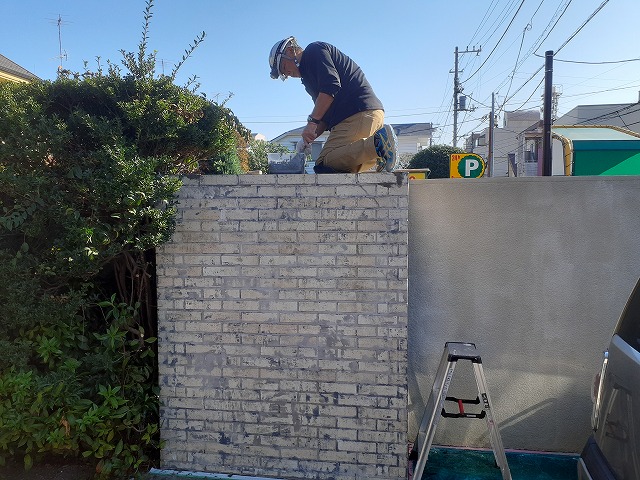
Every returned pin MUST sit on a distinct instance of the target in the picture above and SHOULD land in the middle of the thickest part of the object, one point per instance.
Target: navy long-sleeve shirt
(326, 69)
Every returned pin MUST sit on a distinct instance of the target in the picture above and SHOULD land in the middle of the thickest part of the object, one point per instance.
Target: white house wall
(407, 144)
(626, 115)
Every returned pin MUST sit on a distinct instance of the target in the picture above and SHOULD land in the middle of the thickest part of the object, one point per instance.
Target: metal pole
(456, 87)
(491, 134)
(546, 120)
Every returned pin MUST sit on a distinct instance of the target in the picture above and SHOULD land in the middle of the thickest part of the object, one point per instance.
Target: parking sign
(466, 165)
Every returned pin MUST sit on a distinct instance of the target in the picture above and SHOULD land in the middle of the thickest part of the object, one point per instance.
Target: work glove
(303, 147)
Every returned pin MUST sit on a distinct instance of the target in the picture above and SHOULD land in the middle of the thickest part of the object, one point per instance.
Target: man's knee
(322, 168)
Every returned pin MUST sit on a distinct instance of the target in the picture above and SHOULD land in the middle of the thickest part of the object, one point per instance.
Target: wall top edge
(398, 179)
(515, 180)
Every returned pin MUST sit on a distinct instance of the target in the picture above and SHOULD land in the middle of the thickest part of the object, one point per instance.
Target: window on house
(530, 156)
(531, 151)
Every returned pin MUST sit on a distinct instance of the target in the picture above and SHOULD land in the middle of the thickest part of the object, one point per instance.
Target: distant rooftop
(412, 128)
(10, 70)
(523, 115)
(595, 132)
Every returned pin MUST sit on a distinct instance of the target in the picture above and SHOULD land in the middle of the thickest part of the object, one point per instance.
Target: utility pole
(546, 117)
(457, 89)
(491, 136)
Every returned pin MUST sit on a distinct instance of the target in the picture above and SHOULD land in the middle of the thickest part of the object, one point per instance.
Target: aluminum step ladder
(454, 351)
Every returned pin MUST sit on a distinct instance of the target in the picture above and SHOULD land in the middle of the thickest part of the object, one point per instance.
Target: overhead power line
(624, 111)
(582, 26)
(478, 101)
(592, 63)
(559, 48)
(613, 114)
(566, 6)
(498, 43)
(489, 11)
(551, 25)
(601, 91)
(513, 73)
(527, 100)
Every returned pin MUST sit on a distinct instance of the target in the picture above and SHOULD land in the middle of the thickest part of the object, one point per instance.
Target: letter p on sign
(470, 165)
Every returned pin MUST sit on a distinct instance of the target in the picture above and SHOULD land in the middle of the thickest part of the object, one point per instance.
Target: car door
(618, 433)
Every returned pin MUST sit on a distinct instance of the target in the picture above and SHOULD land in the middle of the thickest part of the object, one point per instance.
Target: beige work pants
(349, 147)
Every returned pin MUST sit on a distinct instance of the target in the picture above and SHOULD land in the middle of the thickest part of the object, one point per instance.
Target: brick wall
(283, 327)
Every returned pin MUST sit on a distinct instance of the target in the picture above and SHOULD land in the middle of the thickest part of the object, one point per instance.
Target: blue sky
(406, 49)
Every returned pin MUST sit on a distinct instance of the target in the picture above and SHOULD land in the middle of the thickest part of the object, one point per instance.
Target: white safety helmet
(275, 56)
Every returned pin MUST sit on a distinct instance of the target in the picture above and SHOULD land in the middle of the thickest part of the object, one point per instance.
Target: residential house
(290, 139)
(506, 145)
(12, 72)
(524, 161)
(605, 122)
(412, 137)
(625, 115)
(596, 150)
(518, 143)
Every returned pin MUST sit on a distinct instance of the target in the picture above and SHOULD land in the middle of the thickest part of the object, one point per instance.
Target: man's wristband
(310, 119)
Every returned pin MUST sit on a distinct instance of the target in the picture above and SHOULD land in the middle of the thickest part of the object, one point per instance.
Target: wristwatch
(310, 119)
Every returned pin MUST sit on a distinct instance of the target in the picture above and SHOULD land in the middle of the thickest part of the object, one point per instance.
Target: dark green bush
(436, 158)
(90, 165)
(94, 398)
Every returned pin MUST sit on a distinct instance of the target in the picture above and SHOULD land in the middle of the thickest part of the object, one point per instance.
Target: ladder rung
(453, 352)
(473, 401)
(482, 414)
(461, 413)
(462, 351)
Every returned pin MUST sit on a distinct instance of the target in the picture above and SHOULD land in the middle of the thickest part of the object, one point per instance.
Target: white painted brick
(283, 323)
(356, 307)
(317, 191)
(317, 237)
(298, 226)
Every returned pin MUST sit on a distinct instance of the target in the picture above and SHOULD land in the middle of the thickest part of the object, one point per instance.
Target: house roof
(534, 128)
(595, 132)
(595, 113)
(413, 128)
(296, 132)
(522, 115)
(12, 69)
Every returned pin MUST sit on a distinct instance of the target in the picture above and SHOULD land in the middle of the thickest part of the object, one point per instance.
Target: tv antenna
(62, 55)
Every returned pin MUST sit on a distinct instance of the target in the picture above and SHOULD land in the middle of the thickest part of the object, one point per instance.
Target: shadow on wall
(529, 418)
(534, 419)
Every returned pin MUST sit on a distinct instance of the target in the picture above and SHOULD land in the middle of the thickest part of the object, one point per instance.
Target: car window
(628, 327)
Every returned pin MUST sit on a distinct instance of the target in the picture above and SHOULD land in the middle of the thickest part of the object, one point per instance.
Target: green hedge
(90, 165)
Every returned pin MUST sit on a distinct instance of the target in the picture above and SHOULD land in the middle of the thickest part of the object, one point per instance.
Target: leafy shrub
(90, 165)
(436, 158)
(95, 399)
